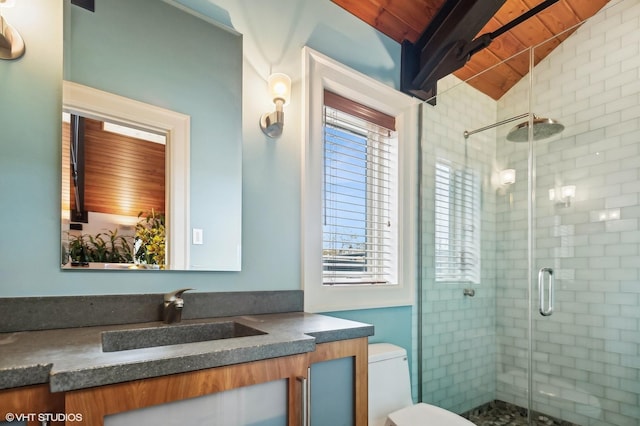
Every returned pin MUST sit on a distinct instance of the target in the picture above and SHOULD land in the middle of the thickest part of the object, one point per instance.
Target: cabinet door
(264, 404)
(104, 404)
(338, 382)
(332, 393)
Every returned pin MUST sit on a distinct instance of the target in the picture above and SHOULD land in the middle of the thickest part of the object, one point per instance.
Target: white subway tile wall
(586, 356)
(581, 357)
(459, 340)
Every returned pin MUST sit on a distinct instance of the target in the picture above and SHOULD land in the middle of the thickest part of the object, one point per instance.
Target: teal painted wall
(392, 325)
(169, 58)
(30, 114)
(30, 109)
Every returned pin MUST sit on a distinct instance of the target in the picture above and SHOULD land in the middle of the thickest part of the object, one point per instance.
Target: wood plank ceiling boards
(406, 21)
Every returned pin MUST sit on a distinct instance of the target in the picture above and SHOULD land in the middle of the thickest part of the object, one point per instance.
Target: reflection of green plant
(146, 247)
(119, 248)
(90, 248)
(78, 250)
(150, 238)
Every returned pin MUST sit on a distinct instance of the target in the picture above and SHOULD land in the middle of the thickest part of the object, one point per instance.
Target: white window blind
(359, 201)
(457, 224)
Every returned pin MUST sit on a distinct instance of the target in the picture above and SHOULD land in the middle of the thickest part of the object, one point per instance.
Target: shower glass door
(585, 262)
(538, 320)
(473, 277)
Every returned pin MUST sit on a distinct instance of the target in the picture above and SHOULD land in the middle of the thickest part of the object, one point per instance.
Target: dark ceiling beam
(90, 5)
(438, 51)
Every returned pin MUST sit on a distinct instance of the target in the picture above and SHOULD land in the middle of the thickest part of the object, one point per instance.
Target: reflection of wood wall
(123, 175)
(67, 190)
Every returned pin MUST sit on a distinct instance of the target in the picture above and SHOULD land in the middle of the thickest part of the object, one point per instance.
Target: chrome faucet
(173, 304)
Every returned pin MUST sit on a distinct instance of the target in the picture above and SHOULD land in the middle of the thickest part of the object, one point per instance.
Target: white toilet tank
(389, 385)
(390, 400)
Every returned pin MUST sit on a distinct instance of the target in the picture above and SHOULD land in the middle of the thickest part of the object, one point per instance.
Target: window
(457, 224)
(359, 189)
(359, 194)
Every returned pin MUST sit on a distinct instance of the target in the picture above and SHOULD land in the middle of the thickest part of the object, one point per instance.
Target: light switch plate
(197, 237)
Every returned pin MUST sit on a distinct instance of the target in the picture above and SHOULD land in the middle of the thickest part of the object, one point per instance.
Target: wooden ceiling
(407, 19)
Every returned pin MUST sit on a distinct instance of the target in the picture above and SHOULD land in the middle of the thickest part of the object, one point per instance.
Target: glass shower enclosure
(529, 296)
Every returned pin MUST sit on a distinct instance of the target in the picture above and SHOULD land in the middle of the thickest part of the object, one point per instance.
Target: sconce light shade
(280, 87)
(280, 92)
(507, 177)
(563, 195)
(11, 44)
(568, 191)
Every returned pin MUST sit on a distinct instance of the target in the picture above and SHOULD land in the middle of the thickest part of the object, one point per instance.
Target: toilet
(390, 402)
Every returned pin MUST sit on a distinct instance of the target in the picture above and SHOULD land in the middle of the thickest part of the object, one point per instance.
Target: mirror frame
(97, 104)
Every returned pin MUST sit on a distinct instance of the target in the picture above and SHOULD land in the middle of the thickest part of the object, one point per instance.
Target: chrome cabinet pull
(305, 418)
(548, 309)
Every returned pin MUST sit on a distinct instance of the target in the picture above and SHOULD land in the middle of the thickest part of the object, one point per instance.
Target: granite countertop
(72, 358)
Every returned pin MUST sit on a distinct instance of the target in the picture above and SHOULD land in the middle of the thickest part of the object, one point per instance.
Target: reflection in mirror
(156, 54)
(115, 174)
(115, 212)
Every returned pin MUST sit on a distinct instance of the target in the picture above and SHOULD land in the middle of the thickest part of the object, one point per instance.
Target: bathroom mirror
(153, 54)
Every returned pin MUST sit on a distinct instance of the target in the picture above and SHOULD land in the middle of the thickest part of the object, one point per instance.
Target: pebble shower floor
(500, 413)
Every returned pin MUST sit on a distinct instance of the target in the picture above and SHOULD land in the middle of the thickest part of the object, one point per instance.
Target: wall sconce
(280, 91)
(507, 177)
(563, 195)
(11, 44)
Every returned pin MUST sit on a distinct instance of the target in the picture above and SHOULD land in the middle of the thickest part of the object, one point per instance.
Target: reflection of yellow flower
(150, 236)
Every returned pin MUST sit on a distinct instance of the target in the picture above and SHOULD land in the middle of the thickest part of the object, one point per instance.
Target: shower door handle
(546, 309)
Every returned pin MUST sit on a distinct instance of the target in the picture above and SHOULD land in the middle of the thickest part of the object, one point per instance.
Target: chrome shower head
(542, 128)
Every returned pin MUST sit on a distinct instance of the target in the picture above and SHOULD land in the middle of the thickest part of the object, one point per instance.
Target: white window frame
(319, 73)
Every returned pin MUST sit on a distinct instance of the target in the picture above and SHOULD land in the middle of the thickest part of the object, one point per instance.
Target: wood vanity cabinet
(357, 351)
(30, 402)
(98, 402)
